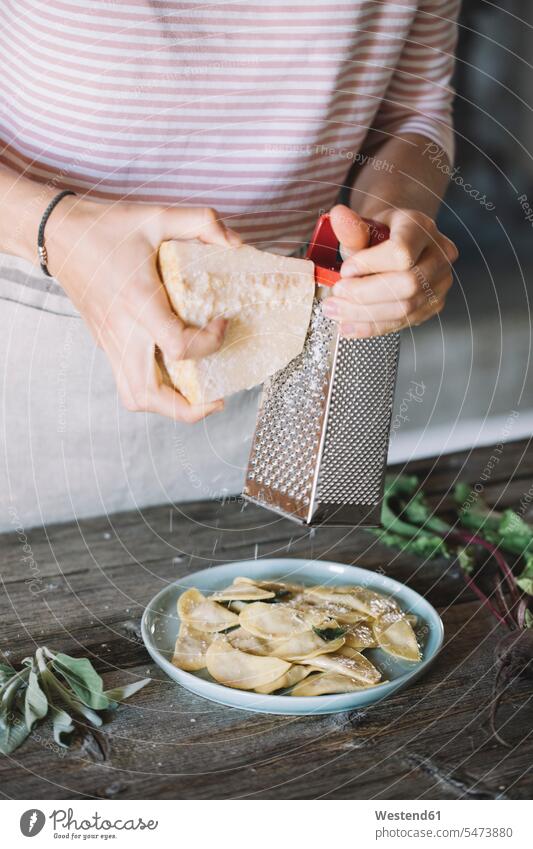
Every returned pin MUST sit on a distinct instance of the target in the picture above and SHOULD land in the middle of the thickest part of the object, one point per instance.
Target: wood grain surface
(85, 595)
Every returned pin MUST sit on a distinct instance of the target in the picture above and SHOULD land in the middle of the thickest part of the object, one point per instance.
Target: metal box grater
(320, 445)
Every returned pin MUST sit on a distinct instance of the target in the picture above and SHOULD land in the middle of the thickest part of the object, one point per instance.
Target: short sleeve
(419, 96)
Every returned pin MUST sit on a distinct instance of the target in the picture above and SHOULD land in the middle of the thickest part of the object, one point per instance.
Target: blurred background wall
(470, 369)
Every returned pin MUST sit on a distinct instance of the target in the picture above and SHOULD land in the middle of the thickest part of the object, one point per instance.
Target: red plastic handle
(323, 248)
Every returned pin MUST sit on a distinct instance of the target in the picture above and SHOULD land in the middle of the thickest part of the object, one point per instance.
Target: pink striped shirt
(257, 109)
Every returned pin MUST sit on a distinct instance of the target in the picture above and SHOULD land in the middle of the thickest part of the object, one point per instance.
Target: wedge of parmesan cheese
(267, 299)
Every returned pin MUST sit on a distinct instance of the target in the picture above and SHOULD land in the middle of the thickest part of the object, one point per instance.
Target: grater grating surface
(355, 448)
(290, 422)
(320, 445)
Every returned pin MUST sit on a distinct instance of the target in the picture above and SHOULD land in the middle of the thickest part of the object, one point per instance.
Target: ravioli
(240, 670)
(203, 614)
(268, 635)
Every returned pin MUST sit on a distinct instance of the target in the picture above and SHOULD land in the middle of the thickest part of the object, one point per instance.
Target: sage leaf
(13, 732)
(63, 698)
(67, 689)
(83, 679)
(118, 694)
(12, 690)
(329, 634)
(6, 672)
(62, 726)
(88, 714)
(35, 701)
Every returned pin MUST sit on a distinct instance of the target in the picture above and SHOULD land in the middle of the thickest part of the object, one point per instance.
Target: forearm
(22, 203)
(399, 175)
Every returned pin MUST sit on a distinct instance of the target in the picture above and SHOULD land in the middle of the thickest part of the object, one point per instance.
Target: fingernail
(345, 253)
(349, 269)
(341, 290)
(348, 329)
(330, 309)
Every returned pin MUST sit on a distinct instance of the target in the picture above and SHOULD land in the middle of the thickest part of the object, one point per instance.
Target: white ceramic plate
(160, 625)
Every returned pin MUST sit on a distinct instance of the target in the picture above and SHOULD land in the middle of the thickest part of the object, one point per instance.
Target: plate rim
(306, 704)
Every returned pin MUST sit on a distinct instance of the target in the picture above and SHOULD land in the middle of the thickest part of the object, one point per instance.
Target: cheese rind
(266, 298)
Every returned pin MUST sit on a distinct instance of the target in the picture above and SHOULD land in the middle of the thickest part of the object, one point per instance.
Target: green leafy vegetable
(505, 529)
(400, 502)
(408, 523)
(515, 533)
(525, 579)
(64, 688)
(466, 558)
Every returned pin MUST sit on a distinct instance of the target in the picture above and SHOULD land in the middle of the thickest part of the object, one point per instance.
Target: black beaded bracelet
(41, 248)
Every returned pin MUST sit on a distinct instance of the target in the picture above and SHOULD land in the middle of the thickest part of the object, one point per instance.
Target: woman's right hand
(105, 257)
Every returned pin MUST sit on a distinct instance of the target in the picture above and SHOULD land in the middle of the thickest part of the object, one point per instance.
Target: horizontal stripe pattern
(255, 109)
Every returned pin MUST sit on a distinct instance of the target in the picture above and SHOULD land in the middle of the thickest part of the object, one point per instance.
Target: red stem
(502, 601)
(474, 539)
(484, 599)
(508, 618)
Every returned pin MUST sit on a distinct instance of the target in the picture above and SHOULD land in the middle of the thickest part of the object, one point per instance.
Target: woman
(156, 115)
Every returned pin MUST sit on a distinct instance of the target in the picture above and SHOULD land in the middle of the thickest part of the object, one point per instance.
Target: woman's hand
(398, 283)
(105, 257)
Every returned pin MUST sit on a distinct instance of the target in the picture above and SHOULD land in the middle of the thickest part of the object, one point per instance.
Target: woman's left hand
(399, 283)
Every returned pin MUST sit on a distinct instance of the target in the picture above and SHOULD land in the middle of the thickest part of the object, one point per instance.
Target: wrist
(23, 205)
(67, 222)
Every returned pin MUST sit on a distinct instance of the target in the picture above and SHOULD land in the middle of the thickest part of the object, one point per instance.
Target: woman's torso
(198, 104)
(190, 103)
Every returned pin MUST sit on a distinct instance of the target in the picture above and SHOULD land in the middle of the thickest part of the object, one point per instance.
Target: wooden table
(91, 581)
